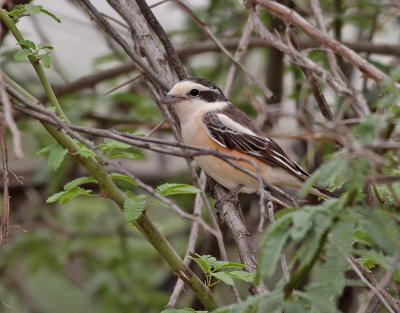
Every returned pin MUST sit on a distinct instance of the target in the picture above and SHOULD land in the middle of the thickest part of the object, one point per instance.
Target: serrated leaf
(203, 262)
(301, 224)
(172, 189)
(271, 247)
(45, 58)
(51, 15)
(186, 310)
(119, 176)
(219, 265)
(56, 157)
(224, 277)
(85, 152)
(33, 9)
(79, 181)
(110, 144)
(43, 46)
(65, 196)
(113, 154)
(133, 208)
(27, 44)
(22, 55)
(45, 150)
(335, 266)
(271, 303)
(246, 276)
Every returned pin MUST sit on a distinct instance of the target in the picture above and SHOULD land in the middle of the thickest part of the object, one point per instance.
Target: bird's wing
(236, 136)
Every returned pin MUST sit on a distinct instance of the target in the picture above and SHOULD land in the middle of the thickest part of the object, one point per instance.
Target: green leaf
(246, 276)
(51, 15)
(185, 310)
(45, 58)
(22, 54)
(65, 196)
(111, 144)
(56, 157)
(173, 189)
(341, 238)
(33, 9)
(114, 149)
(113, 154)
(27, 44)
(45, 150)
(271, 303)
(43, 46)
(224, 277)
(219, 265)
(79, 181)
(119, 176)
(85, 152)
(271, 247)
(204, 262)
(133, 208)
(381, 229)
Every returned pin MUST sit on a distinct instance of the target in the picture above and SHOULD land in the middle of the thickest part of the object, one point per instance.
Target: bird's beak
(168, 99)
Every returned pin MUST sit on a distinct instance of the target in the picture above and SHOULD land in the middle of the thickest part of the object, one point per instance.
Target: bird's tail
(321, 192)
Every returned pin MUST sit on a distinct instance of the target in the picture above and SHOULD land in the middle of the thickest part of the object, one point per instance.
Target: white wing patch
(228, 122)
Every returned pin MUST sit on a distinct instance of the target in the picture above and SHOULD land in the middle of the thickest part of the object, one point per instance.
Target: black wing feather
(261, 147)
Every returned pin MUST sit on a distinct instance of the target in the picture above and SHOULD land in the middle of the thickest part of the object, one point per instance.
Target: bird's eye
(194, 93)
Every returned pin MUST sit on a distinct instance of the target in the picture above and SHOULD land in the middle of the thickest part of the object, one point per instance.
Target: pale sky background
(77, 40)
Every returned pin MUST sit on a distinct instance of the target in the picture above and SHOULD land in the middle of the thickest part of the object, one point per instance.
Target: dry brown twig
(240, 52)
(4, 218)
(9, 120)
(369, 279)
(268, 93)
(284, 12)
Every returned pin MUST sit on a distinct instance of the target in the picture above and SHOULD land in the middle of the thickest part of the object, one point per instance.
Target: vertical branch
(231, 217)
(240, 52)
(4, 222)
(171, 54)
(8, 119)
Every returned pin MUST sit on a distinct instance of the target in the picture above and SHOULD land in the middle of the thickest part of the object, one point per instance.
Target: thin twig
(268, 93)
(130, 80)
(4, 221)
(284, 12)
(103, 23)
(240, 52)
(9, 120)
(369, 279)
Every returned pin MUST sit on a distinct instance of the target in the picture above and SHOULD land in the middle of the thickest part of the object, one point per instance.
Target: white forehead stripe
(228, 122)
(182, 88)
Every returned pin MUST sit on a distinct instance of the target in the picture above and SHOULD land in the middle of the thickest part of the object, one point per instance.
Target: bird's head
(194, 92)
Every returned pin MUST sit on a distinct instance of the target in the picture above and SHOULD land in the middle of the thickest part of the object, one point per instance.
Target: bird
(209, 120)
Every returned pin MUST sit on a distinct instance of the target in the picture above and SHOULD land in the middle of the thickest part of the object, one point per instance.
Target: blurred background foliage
(83, 257)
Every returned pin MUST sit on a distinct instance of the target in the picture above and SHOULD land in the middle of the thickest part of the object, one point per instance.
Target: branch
(286, 13)
(106, 27)
(171, 55)
(268, 93)
(4, 218)
(231, 217)
(369, 279)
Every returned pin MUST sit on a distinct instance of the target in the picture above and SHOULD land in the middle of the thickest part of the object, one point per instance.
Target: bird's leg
(231, 196)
